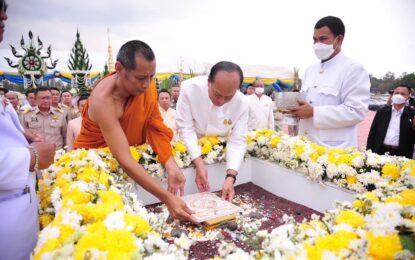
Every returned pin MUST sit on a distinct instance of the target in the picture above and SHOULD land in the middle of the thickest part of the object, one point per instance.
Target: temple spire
(110, 61)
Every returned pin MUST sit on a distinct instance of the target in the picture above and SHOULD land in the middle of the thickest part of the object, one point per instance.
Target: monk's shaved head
(129, 51)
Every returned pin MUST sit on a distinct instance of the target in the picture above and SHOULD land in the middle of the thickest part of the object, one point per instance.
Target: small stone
(158, 209)
(169, 220)
(220, 236)
(176, 232)
(255, 215)
(232, 225)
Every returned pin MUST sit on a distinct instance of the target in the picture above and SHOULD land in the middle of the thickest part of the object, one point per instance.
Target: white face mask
(323, 51)
(259, 90)
(398, 99)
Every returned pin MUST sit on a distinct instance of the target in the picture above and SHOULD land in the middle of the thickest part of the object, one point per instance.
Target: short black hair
(404, 86)
(80, 99)
(30, 90)
(164, 91)
(64, 91)
(54, 88)
(3, 5)
(335, 25)
(5, 90)
(226, 66)
(128, 52)
(39, 89)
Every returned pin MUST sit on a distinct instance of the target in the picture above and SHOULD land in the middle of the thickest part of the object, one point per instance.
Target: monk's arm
(103, 112)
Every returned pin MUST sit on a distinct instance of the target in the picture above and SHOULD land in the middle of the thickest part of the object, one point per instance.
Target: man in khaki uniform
(46, 120)
(71, 110)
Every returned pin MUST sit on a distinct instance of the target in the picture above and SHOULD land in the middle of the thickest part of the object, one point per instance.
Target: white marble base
(278, 180)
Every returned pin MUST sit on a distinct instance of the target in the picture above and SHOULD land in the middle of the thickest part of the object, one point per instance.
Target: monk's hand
(228, 191)
(303, 111)
(175, 177)
(179, 210)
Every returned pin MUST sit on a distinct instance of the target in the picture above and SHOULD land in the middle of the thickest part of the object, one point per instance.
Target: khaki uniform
(71, 112)
(51, 125)
(22, 111)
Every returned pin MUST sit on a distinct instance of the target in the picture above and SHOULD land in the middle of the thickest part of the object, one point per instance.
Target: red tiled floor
(364, 128)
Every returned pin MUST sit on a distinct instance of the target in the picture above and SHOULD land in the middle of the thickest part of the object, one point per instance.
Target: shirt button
(315, 86)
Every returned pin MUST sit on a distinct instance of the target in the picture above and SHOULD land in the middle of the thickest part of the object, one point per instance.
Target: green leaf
(408, 242)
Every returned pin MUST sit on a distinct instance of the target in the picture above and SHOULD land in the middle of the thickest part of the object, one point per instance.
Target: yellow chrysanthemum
(45, 219)
(350, 218)
(299, 149)
(76, 196)
(391, 171)
(408, 197)
(135, 154)
(333, 243)
(206, 148)
(383, 247)
(118, 244)
(112, 198)
(49, 246)
(275, 141)
(137, 224)
(180, 147)
(351, 179)
(213, 140)
(358, 204)
(371, 196)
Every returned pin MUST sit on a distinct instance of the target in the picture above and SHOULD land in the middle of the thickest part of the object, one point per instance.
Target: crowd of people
(126, 109)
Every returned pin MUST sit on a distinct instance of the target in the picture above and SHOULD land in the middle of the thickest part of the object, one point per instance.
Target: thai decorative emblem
(80, 66)
(32, 64)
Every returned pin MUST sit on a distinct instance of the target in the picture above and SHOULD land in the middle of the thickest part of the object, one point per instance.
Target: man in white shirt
(392, 129)
(337, 90)
(31, 100)
(213, 106)
(167, 113)
(261, 113)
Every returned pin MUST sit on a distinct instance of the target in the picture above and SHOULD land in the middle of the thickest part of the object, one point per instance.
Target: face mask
(398, 99)
(323, 51)
(259, 91)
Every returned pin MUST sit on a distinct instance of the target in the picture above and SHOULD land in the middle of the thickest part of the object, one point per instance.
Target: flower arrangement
(87, 211)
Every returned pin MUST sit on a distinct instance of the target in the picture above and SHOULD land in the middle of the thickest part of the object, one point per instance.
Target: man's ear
(119, 68)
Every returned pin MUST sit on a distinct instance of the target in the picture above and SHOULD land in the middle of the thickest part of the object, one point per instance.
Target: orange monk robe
(140, 121)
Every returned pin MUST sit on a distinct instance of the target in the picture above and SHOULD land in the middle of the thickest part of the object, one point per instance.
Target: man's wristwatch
(232, 176)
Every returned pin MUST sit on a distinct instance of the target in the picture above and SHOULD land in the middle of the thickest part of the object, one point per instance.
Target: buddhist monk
(123, 111)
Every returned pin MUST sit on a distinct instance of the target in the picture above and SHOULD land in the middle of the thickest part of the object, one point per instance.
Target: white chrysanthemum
(154, 244)
(70, 218)
(385, 219)
(47, 233)
(115, 221)
(56, 198)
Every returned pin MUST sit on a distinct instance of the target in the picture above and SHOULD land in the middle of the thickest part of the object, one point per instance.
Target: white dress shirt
(197, 116)
(261, 113)
(19, 223)
(339, 91)
(169, 119)
(392, 135)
